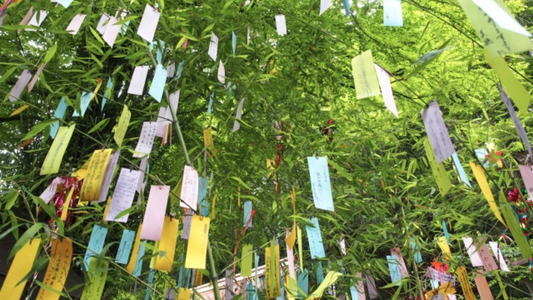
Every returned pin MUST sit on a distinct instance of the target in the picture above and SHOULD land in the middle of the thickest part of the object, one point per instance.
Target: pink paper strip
(154, 215)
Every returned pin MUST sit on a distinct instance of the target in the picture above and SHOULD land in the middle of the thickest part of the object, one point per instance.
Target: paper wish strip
(236, 124)
(108, 175)
(138, 80)
(85, 100)
(90, 190)
(58, 114)
(439, 173)
(437, 132)
(154, 216)
(54, 157)
(57, 269)
(498, 41)
(111, 31)
(386, 90)
(146, 140)
(197, 245)
(221, 72)
(324, 5)
(479, 174)
(23, 80)
(124, 249)
(272, 270)
(365, 76)
(148, 23)
(527, 176)
(65, 3)
(75, 25)
(122, 126)
(158, 83)
(515, 228)
(167, 245)
(26, 18)
(213, 46)
(320, 183)
(37, 19)
(281, 26)
(518, 125)
(315, 239)
(189, 188)
(123, 195)
(102, 23)
(472, 252)
(96, 279)
(21, 265)
(96, 244)
(35, 77)
(392, 13)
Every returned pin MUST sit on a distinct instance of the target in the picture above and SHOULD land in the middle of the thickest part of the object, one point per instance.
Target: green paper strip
(441, 177)
(247, 258)
(514, 227)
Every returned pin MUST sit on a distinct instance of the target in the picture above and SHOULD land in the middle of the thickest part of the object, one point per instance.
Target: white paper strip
(123, 195)
(386, 90)
(102, 24)
(148, 23)
(213, 46)
(111, 31)
(50, 191)
(189, 188)
(221, 72)
(499, 257)
(138, 80)
(280, 25)
(108, 175)
(23, 80)
(501, 17)
(35, 77)
(437, 132)
(324, 5)
(237, 125)
(472, 252)
(146, 140)
(37, 19)
(75, 24)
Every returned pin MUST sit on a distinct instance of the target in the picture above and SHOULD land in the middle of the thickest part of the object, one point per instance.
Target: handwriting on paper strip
(123, 195)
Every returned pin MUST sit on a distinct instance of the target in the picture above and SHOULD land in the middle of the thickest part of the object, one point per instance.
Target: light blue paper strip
(65, 3)
(347, 6)
(315, 240)
(84, 103)
(394, 269)
(248, 206)
(460, 169)
(180, 69)
(158, 83)
(96, 244)
(59, 114)
(210, 106)
(434, 283)
(182, 270)
(108, 92)
(139, 263)
(481, 154)
(392, 13)
(303, 284)
(124, 249)
(282, 297)
(202, 195)
(354, 293)
(418, 256)
(320, 183)
(188, 274)
(256, 263)
(319, 273)
(446, 234)
(149, 287)
(233, 42)
(250, 292)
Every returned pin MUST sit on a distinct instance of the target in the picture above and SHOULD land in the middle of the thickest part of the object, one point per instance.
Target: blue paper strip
(347, 6)
(188, 274)
(202, 195)
(180, 69)
(315, 240)
(96, 244)
(320, 183)
(460, 169)
(392, 13)
(319, 273)
(233, 42)
(210, 106)
(418, 256)
(446, 234)
(303, 284)
(65, 3)
(84, 103)
(248, 206)
(250, 291)
(394, 269)
(282, 296)
(158, 83)
(124, 249)
(59, 114)
(139, 263)
(108, 92)
(182, 270)
(149, 287)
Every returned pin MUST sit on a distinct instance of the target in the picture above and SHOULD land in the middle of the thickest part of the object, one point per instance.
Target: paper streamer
(479, 173)
(365, 76)
(197, 246)
(315, 239)
(21, 265)
(57, 269)
(95, 283)
(96, 244)
(124, 249)
(154, 216)
(167, 245)
(439, 173)
(247, 255)
(320, 183)
(135, 251)
(54, 157)
(90, 190)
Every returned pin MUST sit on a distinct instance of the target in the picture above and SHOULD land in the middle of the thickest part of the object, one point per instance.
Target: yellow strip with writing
(57, 150)
(57, 269)
(167, 245)
(20, 267)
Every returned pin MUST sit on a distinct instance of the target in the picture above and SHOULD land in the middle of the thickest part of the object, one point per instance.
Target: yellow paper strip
(270, 167)
(272, 281)
(330, 279)
(291, 238)
(57, 269)
(198, 278)
(213, 215)
(82, 172)
(184, 294)
(365, 76)
(19, 110)
(167, 244)
(439, 173)
(57, 150)
(122, 126)
(445, 289)
(300, 247)
(443, 244)
(135, 251)
(96, 278)
(66, 205)
(208, 142)
(465, 283)
(197, 246)
(90, 190)
(479, 173)
(516, 91)
(497, 41)
(106, 210)
(20, 267)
